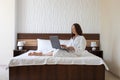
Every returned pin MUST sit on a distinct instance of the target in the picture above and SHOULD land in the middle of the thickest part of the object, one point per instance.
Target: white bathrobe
(79, 44)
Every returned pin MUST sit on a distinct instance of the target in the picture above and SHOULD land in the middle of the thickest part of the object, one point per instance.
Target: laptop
(56, 43)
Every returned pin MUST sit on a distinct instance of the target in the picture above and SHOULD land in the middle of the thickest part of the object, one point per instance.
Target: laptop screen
(55, 42)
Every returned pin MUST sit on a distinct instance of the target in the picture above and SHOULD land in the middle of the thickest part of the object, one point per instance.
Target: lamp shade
(20, 43)
(93, 44)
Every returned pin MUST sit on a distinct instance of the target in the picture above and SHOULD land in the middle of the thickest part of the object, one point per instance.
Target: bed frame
(56, 72)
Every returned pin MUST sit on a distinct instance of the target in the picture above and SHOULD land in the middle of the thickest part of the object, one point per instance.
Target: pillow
(43, 45)
(65, 42)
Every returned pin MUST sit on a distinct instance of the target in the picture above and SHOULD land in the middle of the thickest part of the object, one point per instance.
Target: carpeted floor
(4, 74)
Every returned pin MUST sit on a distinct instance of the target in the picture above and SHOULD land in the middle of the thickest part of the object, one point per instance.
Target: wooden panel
(42, 35)
(61, 36)
(29, 42)
(89, 42)
(58, 72)
(93, 36)
(30, 47)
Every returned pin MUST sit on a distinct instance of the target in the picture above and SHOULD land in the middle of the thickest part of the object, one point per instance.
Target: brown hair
(78, 29)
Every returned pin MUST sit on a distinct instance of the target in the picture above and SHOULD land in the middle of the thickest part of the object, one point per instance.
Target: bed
(56, 71)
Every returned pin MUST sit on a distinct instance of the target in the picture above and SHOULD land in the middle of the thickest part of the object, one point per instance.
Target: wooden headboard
(31, 39)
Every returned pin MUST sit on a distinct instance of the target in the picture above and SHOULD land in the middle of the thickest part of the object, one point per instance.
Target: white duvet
(86, 58)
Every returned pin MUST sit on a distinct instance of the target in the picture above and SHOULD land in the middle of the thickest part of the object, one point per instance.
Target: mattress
(86, 58)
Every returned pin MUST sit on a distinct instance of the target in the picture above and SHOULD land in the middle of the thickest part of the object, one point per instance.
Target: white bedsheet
(86, 58)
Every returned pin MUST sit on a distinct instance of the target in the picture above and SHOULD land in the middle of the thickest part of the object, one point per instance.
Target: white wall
(110, 38)
(7, 31)
(49, 16)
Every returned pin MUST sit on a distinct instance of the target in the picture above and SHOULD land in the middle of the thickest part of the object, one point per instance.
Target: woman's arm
(69, 48)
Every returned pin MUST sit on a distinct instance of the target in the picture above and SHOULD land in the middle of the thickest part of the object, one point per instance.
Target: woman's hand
(63, 46)
(70, 48)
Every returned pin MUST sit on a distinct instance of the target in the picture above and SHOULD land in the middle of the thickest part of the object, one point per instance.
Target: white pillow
(44, 45)
(65, 42)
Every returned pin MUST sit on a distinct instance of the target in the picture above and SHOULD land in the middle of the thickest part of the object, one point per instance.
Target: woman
(75, 47)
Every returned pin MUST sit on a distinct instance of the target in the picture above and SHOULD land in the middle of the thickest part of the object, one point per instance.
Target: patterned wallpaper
(57, 16)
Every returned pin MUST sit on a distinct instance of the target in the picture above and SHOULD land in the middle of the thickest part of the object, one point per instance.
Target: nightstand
(18, 52)
(97, 53)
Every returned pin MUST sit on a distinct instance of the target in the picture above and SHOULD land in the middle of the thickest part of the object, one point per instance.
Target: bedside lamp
(93, 45)
(20, 45)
